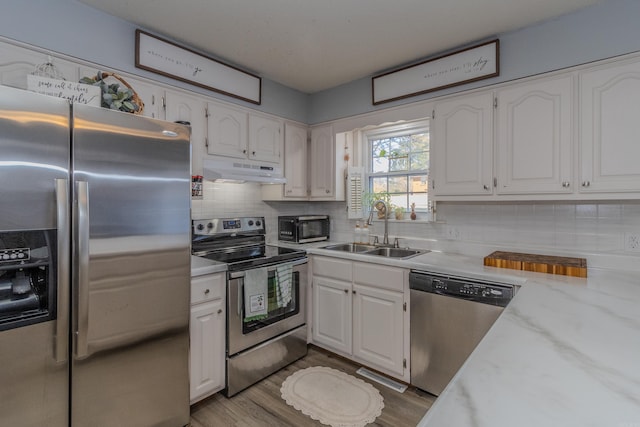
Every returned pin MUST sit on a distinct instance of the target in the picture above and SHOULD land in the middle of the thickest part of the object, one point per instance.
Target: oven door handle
(239, 274)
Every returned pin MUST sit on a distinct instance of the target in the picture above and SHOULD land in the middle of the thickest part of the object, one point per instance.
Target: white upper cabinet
(534, 137)
(266, 139)
(295, 160)
(17, 63)
(462, 146)
(151, 95)
(227, 131)
(610, 128)
(182, 107)
(322, 163)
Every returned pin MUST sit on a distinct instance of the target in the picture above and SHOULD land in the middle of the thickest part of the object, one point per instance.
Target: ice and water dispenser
(27, 277)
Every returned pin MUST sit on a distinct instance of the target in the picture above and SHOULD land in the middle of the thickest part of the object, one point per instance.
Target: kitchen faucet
(385, 240)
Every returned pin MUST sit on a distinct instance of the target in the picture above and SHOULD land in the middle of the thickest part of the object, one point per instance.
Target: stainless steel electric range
(266, 297)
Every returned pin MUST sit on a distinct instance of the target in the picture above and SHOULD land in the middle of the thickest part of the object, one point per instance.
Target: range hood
(237, 170)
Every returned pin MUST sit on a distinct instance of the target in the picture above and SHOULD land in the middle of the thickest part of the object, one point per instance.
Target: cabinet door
(151, 96)
(462, 145)
(181, 107)
(534, 136)
(332, 314)
(378, 327)
(295, 160)
(610, 125)
(207, 348)
(16, 63)
(322, 163)
(266, 139)
(227, 131)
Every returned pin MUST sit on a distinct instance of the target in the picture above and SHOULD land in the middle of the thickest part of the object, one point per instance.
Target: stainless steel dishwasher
(449, 317)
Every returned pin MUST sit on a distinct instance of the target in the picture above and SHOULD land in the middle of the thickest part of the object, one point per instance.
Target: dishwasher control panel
(471, 289)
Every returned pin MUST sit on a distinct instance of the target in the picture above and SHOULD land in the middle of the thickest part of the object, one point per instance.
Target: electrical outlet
(632, 242)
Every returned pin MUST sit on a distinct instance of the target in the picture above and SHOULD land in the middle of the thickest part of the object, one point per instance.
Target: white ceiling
(312, 45)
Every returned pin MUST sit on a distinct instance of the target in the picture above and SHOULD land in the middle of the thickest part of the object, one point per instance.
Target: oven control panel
(228, 225)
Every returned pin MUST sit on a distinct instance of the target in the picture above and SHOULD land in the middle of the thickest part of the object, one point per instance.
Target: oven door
(243, 334)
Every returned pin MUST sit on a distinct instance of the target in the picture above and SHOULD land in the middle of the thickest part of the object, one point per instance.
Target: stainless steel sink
(350, 247)
(396, 252)
(401, 253)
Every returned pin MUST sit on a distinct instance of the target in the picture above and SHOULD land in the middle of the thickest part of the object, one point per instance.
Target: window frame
(391, 130)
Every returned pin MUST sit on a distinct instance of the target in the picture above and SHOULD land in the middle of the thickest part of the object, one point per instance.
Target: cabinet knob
(586, 183)
(566, 184)
(206, 291)
(219, 311)
(328, 191)
(486, 187)
(244, 151)
(346, 291)
(354, 292)
(253, 153)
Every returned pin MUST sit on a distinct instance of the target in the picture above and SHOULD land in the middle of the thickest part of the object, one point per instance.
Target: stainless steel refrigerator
(94, 266)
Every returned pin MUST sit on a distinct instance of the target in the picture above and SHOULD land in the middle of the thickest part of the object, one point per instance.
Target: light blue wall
(606, 29)
(609, 28)
(72, 28)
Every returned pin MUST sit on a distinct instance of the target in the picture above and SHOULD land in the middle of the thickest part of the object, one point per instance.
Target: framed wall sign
(464, 66)
(168, 59)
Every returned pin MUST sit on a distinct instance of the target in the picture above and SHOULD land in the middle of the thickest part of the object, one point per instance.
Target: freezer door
(34, 164)
(131, 180)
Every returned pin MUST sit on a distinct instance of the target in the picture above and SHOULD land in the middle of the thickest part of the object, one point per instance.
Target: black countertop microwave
(303, 229)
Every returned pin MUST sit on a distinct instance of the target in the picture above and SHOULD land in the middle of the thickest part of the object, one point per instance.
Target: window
(399, 163)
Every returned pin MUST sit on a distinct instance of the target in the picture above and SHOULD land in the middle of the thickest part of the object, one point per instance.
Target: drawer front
(333, 268)
(379, 276)
(207, 288)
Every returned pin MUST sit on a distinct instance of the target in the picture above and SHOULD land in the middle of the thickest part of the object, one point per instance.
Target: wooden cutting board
(565, 266)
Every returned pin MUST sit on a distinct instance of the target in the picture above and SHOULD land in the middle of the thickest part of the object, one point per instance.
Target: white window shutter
(355, 192)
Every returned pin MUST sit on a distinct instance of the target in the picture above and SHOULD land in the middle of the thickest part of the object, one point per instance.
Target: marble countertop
(565, 352)
(201, 266)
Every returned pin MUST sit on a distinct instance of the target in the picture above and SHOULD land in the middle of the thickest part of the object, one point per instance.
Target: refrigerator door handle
(61, 346)
(82, 283)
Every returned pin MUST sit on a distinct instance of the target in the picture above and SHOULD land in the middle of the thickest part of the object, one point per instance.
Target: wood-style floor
(261, 405)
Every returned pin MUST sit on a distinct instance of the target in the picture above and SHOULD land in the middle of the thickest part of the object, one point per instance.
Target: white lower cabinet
(378, 327)
(207, 336)
(359, 312)
(332, 313)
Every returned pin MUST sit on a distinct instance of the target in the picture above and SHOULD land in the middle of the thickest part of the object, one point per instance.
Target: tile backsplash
(558, 227)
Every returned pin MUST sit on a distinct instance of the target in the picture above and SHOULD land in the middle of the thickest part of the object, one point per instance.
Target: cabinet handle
(219, 311)
(206, 291)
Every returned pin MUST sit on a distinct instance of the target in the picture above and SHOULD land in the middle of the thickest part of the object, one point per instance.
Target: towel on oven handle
(256, 294)
(284, 280)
